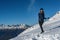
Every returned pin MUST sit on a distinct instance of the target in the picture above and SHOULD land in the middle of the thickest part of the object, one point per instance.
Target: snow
(51, 27)
(48, 37)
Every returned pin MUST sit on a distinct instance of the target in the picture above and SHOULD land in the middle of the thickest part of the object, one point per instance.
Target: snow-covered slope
(51, 27)
(48, 24)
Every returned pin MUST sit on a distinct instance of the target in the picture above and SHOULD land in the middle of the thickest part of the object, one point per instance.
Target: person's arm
(44, 16)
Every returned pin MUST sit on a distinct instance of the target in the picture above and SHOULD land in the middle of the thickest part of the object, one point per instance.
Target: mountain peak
(56, 16)
(58, 12)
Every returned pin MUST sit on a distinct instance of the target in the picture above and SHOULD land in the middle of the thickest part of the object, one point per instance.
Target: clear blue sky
(26, 11)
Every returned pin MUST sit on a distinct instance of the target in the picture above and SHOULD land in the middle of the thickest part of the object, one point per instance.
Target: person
(41, 19)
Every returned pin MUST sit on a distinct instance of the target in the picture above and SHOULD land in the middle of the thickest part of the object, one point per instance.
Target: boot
(42, 32)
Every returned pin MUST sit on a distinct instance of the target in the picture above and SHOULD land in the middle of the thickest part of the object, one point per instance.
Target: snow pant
(40, 24)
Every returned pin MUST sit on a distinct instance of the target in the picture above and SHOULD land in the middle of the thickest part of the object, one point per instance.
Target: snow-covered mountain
(51, 27)
(24, 26)
(21, 26)
(11, 31)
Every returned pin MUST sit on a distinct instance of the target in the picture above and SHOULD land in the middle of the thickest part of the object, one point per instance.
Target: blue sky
(26, 11)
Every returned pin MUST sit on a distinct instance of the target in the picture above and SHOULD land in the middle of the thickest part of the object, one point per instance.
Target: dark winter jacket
(41, 17)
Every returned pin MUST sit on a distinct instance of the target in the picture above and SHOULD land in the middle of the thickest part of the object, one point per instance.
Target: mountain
(24, 26)
(51, 28)
(11, 31)
(21, 26)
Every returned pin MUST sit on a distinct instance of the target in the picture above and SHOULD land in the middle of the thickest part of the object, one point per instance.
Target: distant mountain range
(21, 26)
(11, 31)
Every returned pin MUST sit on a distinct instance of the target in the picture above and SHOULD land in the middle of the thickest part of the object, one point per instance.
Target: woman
(41, 19)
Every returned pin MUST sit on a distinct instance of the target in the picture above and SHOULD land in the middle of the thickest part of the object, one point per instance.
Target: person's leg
(40, 23)
(41, 28)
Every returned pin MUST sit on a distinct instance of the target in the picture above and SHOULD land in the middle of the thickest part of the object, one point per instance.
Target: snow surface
(51, 27)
